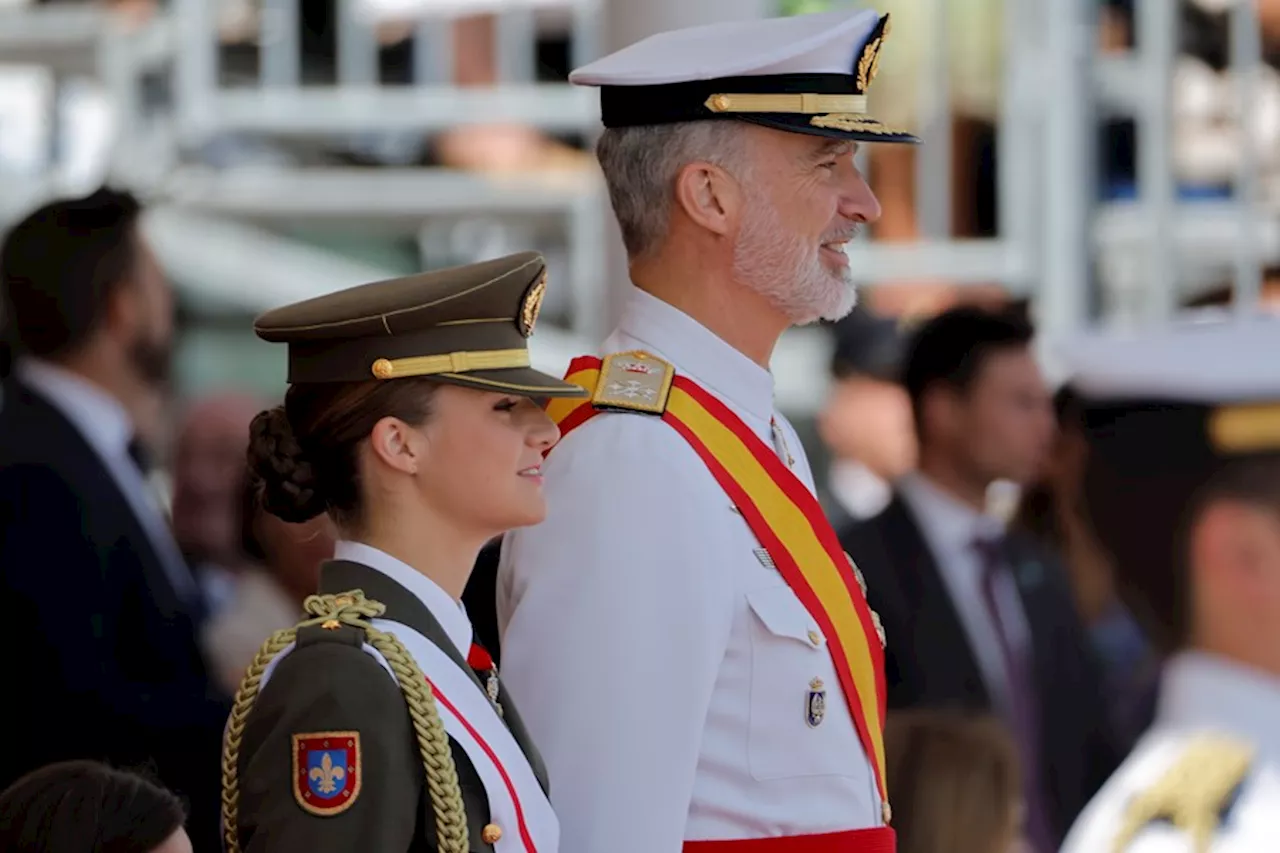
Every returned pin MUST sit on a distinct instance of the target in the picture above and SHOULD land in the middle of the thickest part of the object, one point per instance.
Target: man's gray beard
(780, 267)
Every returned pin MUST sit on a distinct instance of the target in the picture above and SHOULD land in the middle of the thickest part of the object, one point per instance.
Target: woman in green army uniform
(412, 420)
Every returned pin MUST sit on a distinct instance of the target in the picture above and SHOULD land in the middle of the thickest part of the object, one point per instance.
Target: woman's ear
(397, 445)
(710, 197)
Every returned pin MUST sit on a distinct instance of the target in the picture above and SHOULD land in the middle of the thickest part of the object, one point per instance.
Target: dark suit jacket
(930, 664)
(104, 660)
(329, 684)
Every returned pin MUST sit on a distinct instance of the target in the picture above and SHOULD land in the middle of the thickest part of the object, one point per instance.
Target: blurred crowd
(140, 607)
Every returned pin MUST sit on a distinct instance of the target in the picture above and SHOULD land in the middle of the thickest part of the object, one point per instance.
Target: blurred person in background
(866, 419)
(278, 569)
(1183, 488)
(955, 782)
(88, 807)
(978, 616)
(1052, 509)
(111, 664)
(208, 473)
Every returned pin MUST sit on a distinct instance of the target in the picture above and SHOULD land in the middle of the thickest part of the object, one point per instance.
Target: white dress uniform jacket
(660, 664)
(1203, 698)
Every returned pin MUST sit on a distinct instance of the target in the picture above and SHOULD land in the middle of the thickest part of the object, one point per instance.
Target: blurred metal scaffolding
(1078, 257)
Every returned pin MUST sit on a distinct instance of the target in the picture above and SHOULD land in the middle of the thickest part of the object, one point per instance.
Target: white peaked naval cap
(805, 74)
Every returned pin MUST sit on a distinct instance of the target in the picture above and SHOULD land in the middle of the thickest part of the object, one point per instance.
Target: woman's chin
(529, 513)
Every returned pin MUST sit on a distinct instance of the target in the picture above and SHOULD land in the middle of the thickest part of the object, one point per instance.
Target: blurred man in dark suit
(103, 608)
(976, 616)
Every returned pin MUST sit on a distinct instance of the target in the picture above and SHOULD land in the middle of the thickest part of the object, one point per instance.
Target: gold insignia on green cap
(532, 304)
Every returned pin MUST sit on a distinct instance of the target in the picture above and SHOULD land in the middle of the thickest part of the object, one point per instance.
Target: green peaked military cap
(466, 325)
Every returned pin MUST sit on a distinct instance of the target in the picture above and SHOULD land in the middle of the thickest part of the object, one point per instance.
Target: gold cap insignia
(532, 305)
(869, 61)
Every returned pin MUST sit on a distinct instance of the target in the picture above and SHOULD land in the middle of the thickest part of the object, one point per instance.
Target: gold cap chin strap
(450, 362)
(352, 608)
(806, 103)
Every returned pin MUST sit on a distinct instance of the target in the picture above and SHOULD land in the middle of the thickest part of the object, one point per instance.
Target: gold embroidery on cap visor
(452, 362)
(844, 121)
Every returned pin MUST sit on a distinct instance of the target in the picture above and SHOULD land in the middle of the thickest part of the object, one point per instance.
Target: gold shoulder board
(634, 382)
(1192, 793)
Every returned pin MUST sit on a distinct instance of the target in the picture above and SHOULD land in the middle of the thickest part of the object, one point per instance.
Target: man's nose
(858, 203)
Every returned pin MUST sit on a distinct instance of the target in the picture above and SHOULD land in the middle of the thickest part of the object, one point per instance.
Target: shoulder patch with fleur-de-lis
(327, 773)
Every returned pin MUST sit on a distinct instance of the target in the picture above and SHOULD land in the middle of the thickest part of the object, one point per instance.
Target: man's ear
(397, 445)
(710, 197)
(124, 307)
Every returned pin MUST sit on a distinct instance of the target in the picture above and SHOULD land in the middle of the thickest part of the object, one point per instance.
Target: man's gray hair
(640, 166)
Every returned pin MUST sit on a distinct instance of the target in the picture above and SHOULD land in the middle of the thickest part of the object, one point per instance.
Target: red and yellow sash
(789, 522)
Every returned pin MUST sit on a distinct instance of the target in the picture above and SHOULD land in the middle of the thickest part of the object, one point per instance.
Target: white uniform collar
(449, 612)
(670, 334)
(97, 415)
(1202, 690)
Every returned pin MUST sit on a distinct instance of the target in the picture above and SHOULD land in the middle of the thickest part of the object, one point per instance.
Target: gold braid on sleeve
(352, 608)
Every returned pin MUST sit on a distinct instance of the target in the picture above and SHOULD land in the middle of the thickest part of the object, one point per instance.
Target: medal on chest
(481, 661)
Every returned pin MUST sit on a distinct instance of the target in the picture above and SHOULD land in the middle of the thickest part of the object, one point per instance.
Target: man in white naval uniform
(673, 679)
(1185, 431)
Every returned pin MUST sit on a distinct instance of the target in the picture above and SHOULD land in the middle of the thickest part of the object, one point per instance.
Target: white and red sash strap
(517, 802)
(881, 839)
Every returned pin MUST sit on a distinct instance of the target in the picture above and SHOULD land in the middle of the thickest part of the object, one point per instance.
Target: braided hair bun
(287, 484)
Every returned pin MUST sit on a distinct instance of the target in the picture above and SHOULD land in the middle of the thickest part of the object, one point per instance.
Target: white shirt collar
(1201, 690)
(669, 333)
(861, 492)
(947, 521)
(98, 416)
(448, 611)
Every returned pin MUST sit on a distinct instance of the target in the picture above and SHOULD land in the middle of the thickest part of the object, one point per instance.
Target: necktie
(1023, 710)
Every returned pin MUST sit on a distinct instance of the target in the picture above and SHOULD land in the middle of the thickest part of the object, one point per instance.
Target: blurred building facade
(292, 147)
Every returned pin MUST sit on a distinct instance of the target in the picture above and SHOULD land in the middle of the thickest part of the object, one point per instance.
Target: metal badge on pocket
(815, 704)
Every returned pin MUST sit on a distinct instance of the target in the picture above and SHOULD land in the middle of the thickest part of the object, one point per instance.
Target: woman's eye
(506, 405)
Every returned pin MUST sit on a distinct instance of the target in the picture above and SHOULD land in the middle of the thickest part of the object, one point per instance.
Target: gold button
(491, 833)
(383, 369)
(815, 638)
(886, 812)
